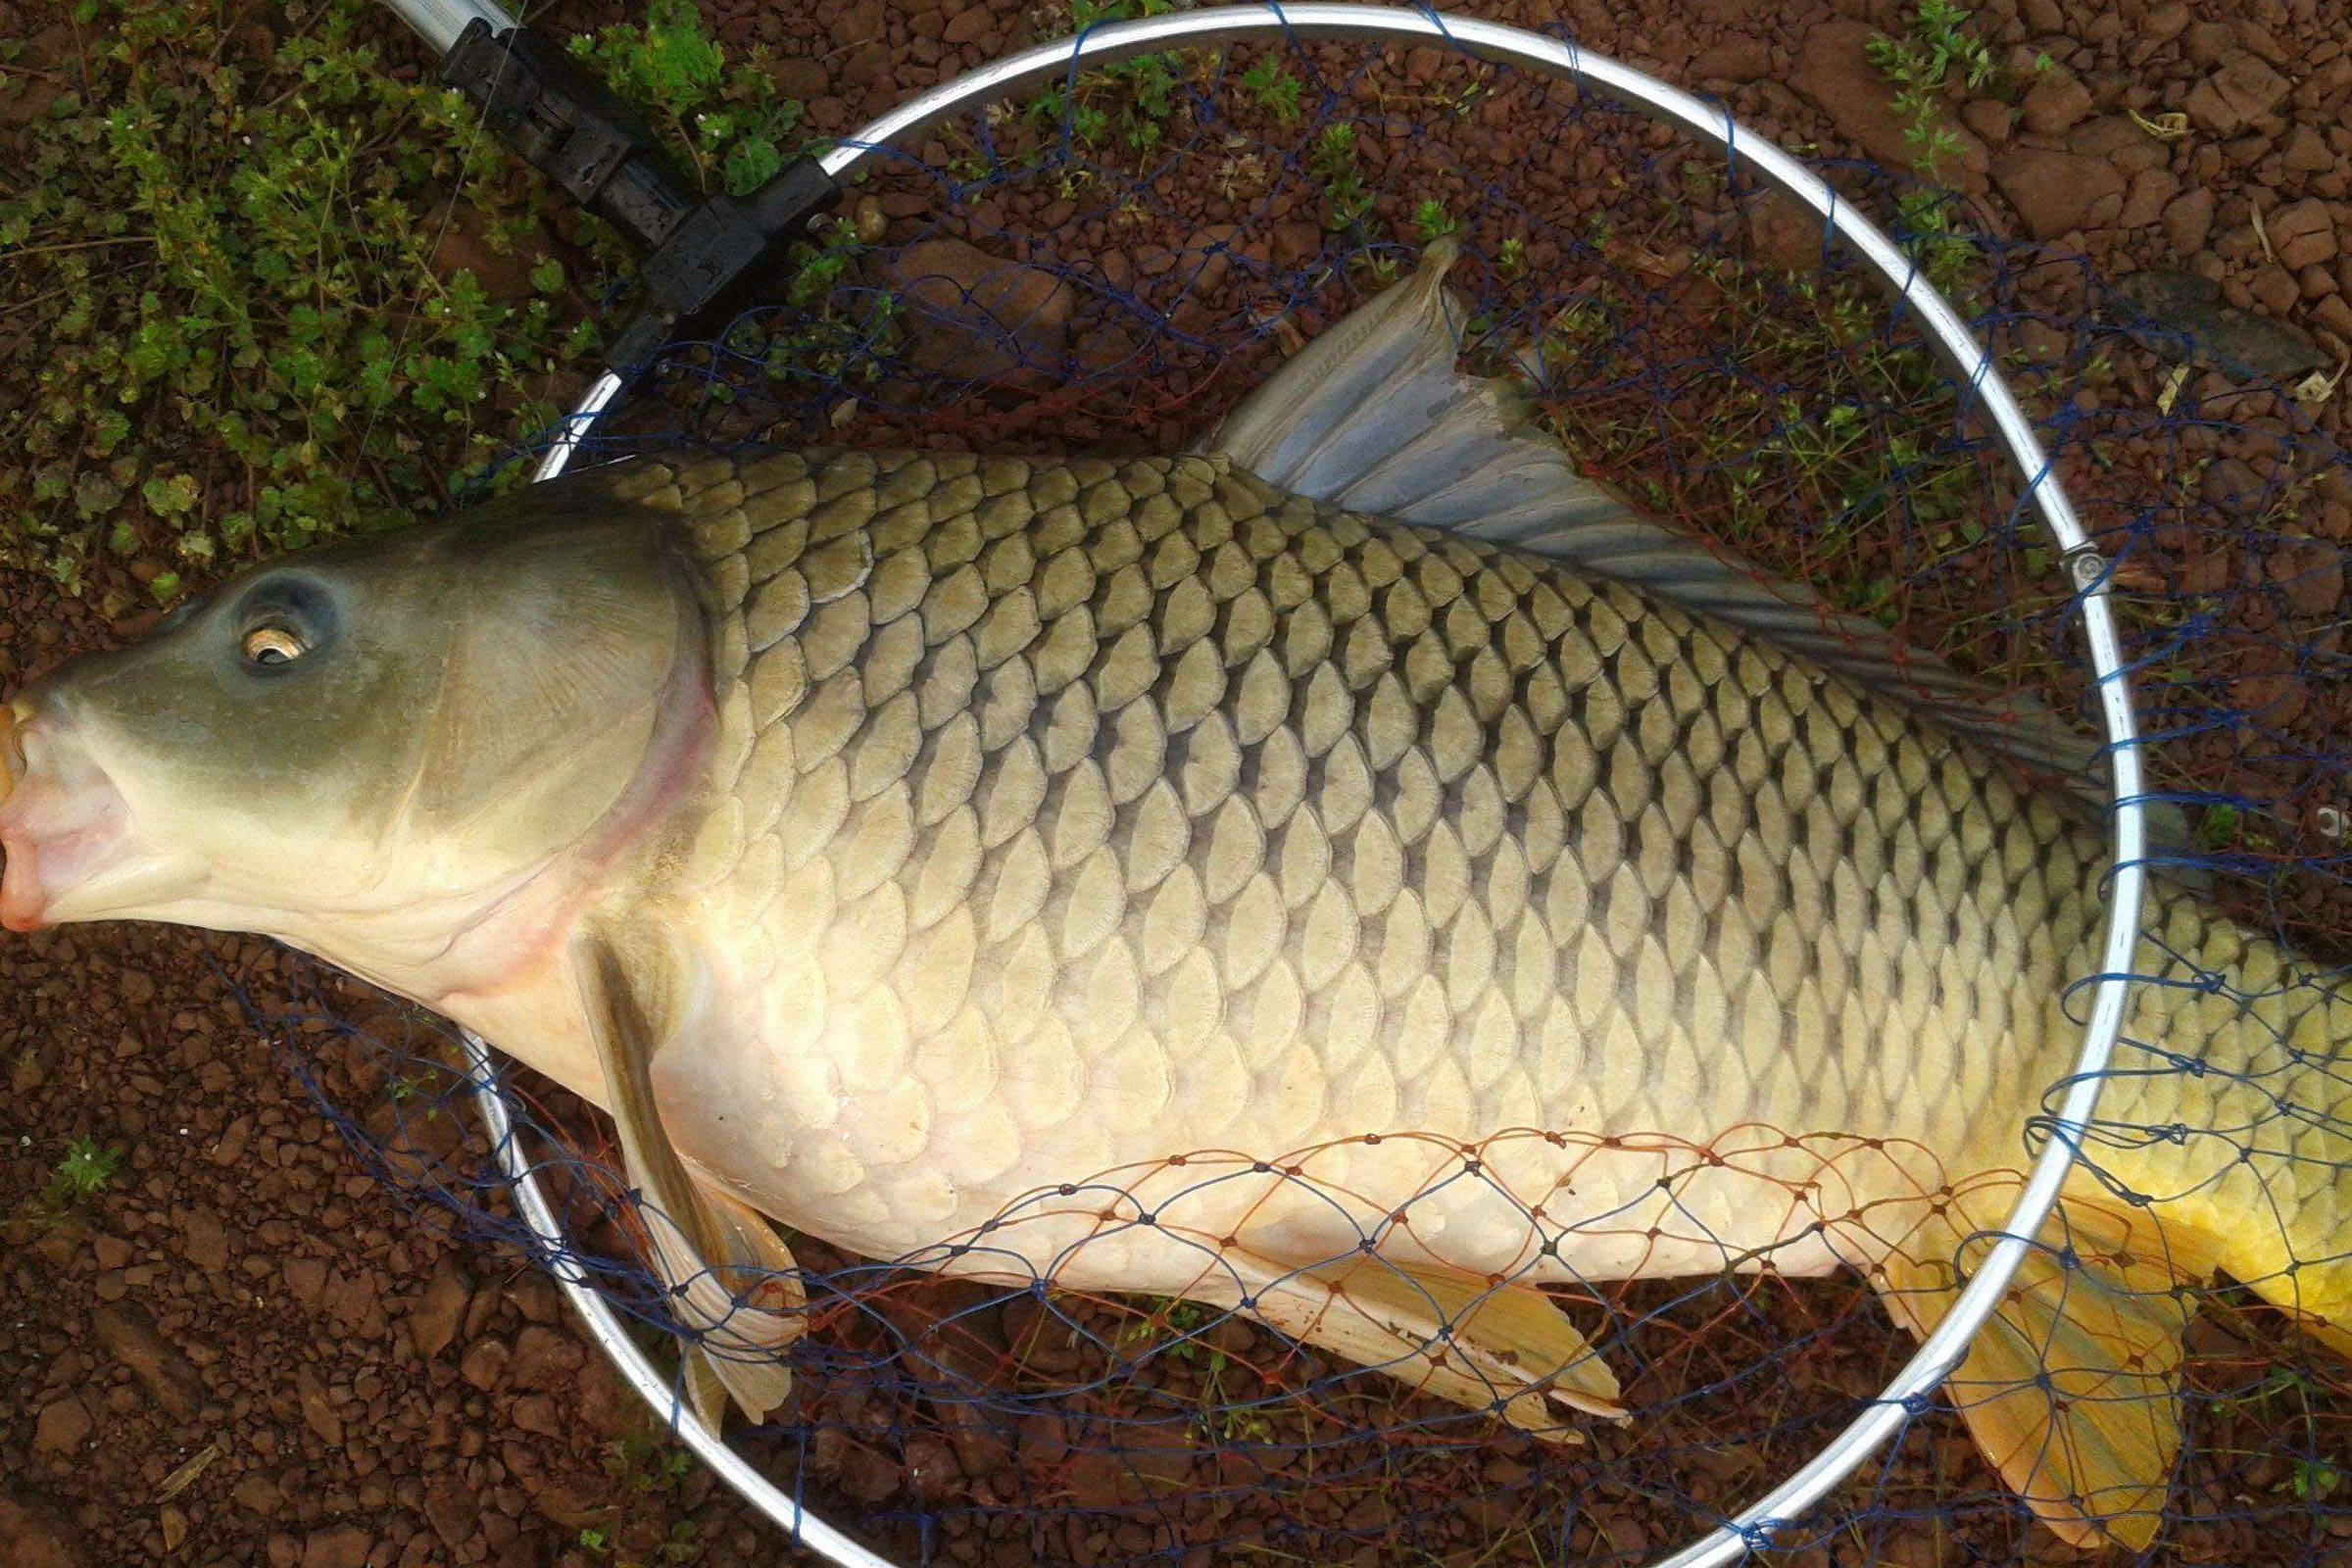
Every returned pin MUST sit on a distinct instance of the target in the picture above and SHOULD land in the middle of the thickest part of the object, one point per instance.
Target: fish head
(378, 742)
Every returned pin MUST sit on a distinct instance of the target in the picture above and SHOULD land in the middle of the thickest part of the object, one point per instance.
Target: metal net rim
(1974, 372)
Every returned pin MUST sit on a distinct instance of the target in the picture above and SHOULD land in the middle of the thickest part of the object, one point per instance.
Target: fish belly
(1114, 864)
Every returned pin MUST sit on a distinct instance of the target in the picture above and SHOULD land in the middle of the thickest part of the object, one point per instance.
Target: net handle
(1969, 364)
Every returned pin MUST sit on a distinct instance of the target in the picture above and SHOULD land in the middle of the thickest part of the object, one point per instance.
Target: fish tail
(2223, 1144)
(2232, 1131)
(2072, 1389)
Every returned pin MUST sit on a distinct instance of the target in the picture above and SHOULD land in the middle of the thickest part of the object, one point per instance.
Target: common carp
(1358, 872)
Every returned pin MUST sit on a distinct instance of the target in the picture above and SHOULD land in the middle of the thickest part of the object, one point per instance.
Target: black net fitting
(701, 254)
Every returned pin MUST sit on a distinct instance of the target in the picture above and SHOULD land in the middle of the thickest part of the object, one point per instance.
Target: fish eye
(273, 643)
(283, 620)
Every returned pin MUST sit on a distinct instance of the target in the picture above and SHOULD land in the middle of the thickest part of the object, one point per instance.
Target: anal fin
(2072, 1389)
(730, 1278)
(1505, 1347)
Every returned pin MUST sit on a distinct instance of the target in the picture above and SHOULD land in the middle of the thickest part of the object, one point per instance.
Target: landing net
(1108, 264)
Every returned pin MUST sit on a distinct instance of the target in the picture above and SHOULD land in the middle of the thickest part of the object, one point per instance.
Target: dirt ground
(247, 1348)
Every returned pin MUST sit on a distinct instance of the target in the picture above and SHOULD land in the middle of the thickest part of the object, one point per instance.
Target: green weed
(1433, 222)
(1274, 88)
(1132, 102)
(2311, 1480)
(732, 125)
(1334, 161)
(1814, 459)
(1920, 63)
(245, 341)
(84, 1173)
(2218, 827)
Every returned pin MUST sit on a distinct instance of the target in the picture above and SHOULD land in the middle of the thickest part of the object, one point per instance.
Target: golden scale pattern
(1096, 811)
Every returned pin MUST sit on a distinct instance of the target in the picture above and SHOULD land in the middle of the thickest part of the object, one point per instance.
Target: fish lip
(61, 820)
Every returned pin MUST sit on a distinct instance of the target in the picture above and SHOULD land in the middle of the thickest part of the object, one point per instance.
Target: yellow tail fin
(2072, 1386)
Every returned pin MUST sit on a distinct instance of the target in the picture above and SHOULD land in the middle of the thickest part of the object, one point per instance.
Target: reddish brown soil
(375, 1389)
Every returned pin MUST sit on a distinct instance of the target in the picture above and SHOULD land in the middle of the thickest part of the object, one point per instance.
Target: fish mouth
(63, 823)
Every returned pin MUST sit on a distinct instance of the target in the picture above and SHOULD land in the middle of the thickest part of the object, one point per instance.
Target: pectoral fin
(2071, 1388)
(730, 1278)
(1504, 1347)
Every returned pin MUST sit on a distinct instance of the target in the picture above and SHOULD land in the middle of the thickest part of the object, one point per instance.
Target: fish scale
(1133, 809)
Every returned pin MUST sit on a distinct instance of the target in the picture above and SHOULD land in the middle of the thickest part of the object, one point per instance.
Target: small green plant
(646, 1461)
(594, 1540)
(2217, 828)
(1274, 88)
(1925, 224)
(2311, 1480)
(1334, 161)
(1920, 63)
(84, 1173)
(731, 124)
(1132, 101)
(1511, 258)
(1432, 221)
(257, 326)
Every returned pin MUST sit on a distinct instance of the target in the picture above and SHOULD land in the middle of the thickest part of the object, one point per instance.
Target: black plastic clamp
(701, 254)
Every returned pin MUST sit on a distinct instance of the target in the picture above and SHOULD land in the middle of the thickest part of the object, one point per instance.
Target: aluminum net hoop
(1981, 388)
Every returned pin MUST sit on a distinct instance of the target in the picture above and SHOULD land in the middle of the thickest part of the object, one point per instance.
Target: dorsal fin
(1375, 416)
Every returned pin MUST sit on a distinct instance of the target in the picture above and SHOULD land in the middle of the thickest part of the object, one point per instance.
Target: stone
(463, 247)
(536, 1413)
(36, 1533)
(797, 77)
(1738, 57)
(454, 1512)
(2274, 289)
(2164, 24)
(1781, 234)
(1990, 119)
(1295, 242)
(2151, 191)
(205, 1239)
(2122, 143)
(2055, 104)
(63, 1426)
(2210, 42)
(337, 1546)
(2244, 90)
(2302, 235)
(2306, 151)
(258, 1492)
(2055, 191)
(975, 317)
(439, 1309)
(544, 1359)
(306, 1277)
(485, 1363)
(2188, 221)
(317, 1411)
(2188, 318)
(130, 1334)
(2310, 577)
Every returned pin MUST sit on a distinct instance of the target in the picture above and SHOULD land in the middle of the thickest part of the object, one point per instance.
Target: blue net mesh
(1108, 265)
